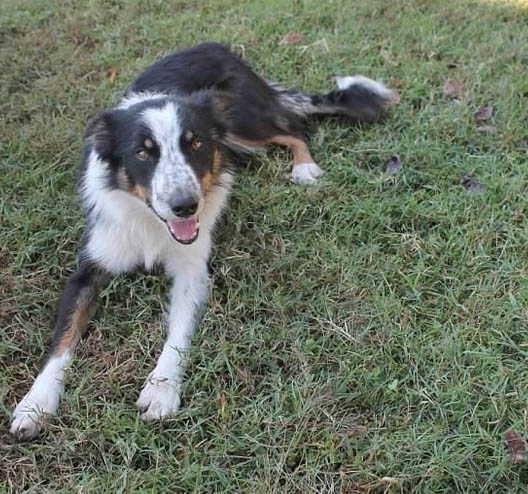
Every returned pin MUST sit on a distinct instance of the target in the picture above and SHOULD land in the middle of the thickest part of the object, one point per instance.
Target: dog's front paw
(28, 417)
(306, 173)
(159, 398)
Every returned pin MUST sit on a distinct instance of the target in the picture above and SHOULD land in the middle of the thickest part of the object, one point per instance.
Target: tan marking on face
(188, 135)
(211, 177)
(207, 182)
(141, 192)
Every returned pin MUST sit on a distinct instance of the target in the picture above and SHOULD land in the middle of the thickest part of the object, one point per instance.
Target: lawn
(368, 334)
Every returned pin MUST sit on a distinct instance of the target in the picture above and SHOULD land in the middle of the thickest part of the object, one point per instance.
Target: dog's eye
(142, 154)
(196, 144)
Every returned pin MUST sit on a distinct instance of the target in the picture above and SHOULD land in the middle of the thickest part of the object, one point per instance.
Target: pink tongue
(184, 229)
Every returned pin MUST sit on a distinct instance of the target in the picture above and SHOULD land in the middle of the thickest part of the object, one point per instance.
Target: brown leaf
(453, 89)
(484, 113)
(292, 38)
(516, 446)
(396, 82)
(393, 165)
(471, 185)
(111, 74)
(487, 129)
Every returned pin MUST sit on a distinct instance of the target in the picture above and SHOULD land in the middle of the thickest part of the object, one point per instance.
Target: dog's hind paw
(27, 421)
(306, 173)
(159, 398)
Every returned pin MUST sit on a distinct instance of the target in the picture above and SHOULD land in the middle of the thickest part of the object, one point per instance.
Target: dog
(156, 172)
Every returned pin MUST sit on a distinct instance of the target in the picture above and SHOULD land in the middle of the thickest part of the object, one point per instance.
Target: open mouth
(185, 230)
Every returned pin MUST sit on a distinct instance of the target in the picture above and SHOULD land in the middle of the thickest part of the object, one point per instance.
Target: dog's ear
(99, 134)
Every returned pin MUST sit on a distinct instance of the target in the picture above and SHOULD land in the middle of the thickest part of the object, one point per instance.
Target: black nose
(183, 206)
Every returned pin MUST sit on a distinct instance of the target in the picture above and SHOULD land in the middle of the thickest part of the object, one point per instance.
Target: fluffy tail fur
(358, 98)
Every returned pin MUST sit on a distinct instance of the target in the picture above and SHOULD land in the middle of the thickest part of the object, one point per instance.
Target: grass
(365, 335)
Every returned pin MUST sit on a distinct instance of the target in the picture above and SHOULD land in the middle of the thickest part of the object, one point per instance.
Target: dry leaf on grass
(453, 89)
(471, 185)
(111, 74)
(292, 38)
(397, 83)
(516, 446)
(393, 165)
(484, 113)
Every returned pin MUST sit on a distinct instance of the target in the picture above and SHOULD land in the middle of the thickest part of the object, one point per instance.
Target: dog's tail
(358, 99)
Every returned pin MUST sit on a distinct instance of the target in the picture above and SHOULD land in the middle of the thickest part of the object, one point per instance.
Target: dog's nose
(184, 206)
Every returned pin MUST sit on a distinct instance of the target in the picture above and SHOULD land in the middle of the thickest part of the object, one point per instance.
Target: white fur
(135, 98)
(360, 80)
(160, 396)
(306, 173)
(42, 398)
(125, 233)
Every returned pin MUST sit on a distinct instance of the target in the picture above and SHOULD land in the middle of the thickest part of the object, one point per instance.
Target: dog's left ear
(99, 134)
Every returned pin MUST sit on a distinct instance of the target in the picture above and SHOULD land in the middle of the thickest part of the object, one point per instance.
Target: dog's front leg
(78, 303)
(160, 397)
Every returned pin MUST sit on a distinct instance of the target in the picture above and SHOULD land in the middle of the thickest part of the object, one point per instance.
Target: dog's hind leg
(76, 307)
(305, 170)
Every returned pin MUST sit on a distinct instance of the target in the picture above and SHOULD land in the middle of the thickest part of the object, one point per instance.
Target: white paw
(29, 414)
(306, 173)
(159, 398)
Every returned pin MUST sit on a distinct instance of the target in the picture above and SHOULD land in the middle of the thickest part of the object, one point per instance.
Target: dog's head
(167, 152)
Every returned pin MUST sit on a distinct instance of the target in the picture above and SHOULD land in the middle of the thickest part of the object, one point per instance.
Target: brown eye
(142, 154)
(196, 144)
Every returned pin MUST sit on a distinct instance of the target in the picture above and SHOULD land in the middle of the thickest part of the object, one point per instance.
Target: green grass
(366, 329)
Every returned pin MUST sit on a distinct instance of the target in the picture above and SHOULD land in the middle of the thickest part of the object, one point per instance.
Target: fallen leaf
(484, 113)
(111, 74)
(516, 446)
(393, 165)
(487, 129)
(396, 82)
(471, 185)
(292, 38)
(453, 89)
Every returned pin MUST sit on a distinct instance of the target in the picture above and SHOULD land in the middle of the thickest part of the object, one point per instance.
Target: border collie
(155, 175)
